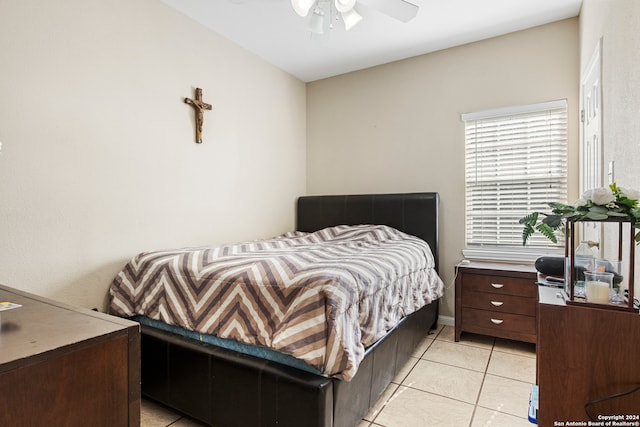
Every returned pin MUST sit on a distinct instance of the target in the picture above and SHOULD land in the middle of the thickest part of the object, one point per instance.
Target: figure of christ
(199, 106)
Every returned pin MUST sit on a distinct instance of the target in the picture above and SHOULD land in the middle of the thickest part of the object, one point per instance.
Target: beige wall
(397, 127)
(98, 160)
(616, 22)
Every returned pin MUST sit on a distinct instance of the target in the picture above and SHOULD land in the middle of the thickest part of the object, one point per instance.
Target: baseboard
(446, 320)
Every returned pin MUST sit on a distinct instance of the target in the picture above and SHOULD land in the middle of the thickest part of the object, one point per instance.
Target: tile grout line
(398, 385)
(484, 377)
(484, 372)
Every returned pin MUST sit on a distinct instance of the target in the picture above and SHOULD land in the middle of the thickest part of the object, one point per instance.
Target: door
(591, 143)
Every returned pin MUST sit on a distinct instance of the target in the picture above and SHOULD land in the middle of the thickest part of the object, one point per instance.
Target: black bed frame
(224, 388)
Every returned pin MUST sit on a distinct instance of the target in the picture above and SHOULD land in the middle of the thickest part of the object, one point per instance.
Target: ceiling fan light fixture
(345, 5)
(350, 18)
(302, 7)
(316, 23)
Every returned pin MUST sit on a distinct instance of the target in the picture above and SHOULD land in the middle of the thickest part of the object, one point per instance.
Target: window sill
(527, 256)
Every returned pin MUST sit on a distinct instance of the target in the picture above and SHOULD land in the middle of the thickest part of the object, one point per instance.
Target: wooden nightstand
(66, 366)
(586, 354)
(496, 299)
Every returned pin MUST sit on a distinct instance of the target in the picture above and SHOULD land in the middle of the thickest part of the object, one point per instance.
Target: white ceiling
(274, 32)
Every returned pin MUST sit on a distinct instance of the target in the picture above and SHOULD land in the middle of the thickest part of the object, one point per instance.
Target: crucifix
(199, 106)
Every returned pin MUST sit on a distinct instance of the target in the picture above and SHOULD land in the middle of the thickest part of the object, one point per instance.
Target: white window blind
(516, 162)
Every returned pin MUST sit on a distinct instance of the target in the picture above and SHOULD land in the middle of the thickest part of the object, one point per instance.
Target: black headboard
(412, 213)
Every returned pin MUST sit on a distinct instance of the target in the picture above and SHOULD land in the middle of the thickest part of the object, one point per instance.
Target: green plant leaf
(582, 210)
(530, 219)
(625, 201)
(598, 209)
(596, 215)
(570, 214)
(614, 188)
(547, 232)
(527, 231)
(553, 221)
(561, 208)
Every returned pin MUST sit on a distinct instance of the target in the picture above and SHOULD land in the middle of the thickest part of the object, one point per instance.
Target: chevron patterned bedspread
(322, 297)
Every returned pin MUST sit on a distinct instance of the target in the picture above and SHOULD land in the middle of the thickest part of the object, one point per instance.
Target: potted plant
(594, 205)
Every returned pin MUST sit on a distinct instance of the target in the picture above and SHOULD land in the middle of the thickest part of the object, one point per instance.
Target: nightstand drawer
(500, 284)
(482, 321)
(499, 302)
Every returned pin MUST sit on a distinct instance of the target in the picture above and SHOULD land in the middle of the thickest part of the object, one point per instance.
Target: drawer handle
(497, 285)
(497, 303)
(496, 321)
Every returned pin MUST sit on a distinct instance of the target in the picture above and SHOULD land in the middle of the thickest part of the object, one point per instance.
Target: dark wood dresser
(587, 364)
(496, 299)
(66, 366)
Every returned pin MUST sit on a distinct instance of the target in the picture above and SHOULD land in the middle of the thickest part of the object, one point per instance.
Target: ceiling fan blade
(399, 9)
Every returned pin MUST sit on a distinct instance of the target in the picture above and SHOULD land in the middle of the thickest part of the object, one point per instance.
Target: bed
(222, 385)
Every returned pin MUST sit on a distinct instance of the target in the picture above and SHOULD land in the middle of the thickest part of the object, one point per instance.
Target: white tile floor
(479, 381)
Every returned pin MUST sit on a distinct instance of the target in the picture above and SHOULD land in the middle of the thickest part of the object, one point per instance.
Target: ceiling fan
(399, 9)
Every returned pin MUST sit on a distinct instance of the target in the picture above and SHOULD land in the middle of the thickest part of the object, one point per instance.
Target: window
(516, 162)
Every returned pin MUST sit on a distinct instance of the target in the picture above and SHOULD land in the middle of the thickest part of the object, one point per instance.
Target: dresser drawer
(484, 321)
(517, 286)
(499, 302)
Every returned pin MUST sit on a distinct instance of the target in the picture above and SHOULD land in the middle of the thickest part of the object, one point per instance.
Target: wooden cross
(199, 106)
